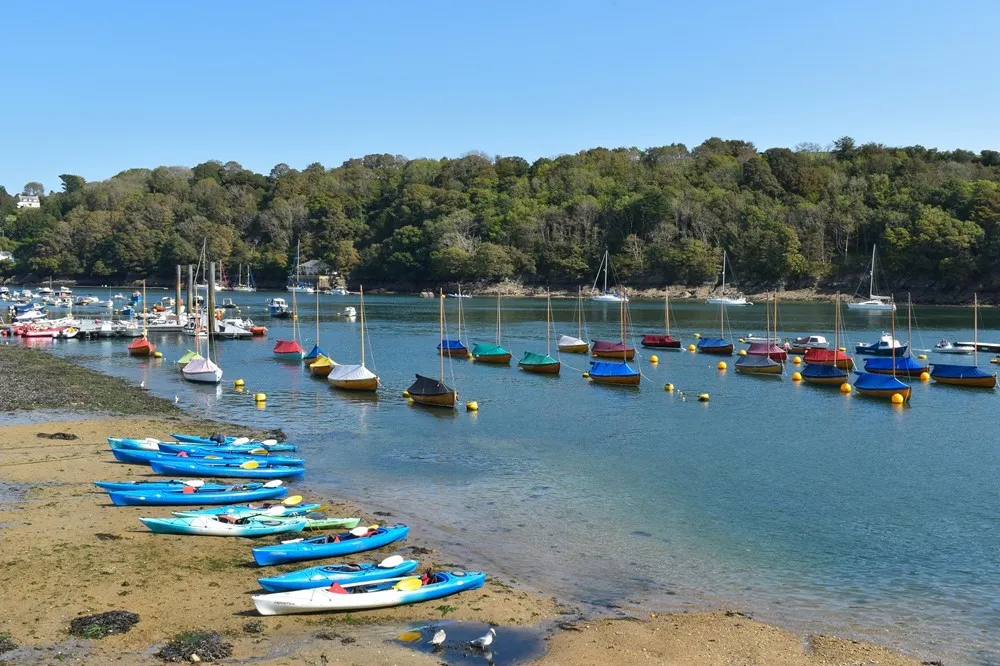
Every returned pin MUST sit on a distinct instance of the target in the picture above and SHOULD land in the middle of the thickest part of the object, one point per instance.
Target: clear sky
(94, 88)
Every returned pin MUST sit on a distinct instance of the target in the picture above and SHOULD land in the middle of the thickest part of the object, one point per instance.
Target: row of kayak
(263, 508)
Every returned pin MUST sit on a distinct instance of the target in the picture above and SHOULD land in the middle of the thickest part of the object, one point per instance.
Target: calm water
(805, 506)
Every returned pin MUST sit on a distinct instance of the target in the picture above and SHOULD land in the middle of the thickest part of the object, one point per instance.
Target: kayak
(156, 485)
(264, 470)
(330, 545)
(141, 457)
(223, 525)
(271, 444)
(197, 497)
(242, 450)
(323, 576)
(371, 594)
(252, 508)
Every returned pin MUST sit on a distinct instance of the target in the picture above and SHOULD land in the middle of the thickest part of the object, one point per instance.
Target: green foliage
(665, 214)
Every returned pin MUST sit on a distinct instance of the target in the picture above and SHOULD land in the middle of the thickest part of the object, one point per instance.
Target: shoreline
(102, 560)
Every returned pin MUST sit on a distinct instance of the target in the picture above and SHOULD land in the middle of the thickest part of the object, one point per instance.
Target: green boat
(542, 364)
(485, 353)
(187, 358)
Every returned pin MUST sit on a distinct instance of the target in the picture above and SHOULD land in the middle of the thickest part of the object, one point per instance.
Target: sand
(67, 552)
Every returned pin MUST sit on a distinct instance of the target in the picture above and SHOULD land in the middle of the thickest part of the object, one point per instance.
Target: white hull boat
(202, 371)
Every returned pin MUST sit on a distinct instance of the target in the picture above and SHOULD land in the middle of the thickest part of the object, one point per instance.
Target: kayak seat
(337, 588)
(187, 490)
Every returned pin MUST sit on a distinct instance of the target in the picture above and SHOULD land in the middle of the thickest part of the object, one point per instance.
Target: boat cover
(713, 343)
(825, 356)
(346, 373)
(531, 358)
(189, 356)
(948, 371)
(428, 386)
(766, 349)
(569, 341)
(903, 364)
(605, 346)
(869, 382)
(315, 352)
(661, 340)
(451, 344)
(200, 366)
(287, 347)
(823, 372)
(611, 369)
(480, 349)
(749, 361)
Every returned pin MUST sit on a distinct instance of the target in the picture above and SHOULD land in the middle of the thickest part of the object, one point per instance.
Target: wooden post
(190, 294)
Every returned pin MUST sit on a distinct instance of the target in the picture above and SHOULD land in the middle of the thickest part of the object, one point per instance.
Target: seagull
(484, 642)
(176, 399)
(142, 384)
(438, 639)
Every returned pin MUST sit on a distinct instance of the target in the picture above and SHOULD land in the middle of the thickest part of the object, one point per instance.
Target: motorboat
(946, 347)
(802, 344)
(278, 307)
(885, 346)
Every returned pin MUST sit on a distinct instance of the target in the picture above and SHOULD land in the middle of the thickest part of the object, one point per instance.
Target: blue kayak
(255, 507)
(154, 485)
(140, 457)
(270, 444)
(338, 573)
(243, 450)
(330, 545)
(150, 444)
(264, 470)
(177, 497)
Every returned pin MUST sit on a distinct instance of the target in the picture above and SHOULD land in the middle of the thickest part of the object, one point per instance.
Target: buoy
(703, 397)
(472, 406)
(742, 352)
(897, 398)
(796, 376)
(239, 389)
(845, 388)
(925, 376)
(586, 374)
(654, 359)
(668, 387)
(157, 354)
(260, 405)
(722, 365)
(797, 360)
(742, 340)
(843, 349)
(697, 335)
(259, 397)
(238, 383)
(406, 394)
(691, 347)
(468, 357)
(922, 357)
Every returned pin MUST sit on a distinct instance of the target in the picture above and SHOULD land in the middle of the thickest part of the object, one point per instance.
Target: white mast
(871, 276)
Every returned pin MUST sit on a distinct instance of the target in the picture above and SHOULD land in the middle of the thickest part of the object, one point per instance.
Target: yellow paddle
(292, 501)
(250, 464)
(259, 452)
(408, 584)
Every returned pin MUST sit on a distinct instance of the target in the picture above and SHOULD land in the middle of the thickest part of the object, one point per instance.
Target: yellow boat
(569, 344)
(355, 377)
(322, 366)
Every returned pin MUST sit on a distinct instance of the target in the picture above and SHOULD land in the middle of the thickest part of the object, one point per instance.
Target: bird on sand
(176, 399)
(438, 638)
(484, 642)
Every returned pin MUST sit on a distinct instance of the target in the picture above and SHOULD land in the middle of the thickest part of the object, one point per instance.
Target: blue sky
(96, 88)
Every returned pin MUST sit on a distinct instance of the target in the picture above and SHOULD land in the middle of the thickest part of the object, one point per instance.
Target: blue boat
(313, 355)
(962, 375)
(331, 545)
(231, 440)
(263, 470)
(140, 457)
(322, 576)
(250, 492)
(715, 346)
(905, 366)
(242, 451)
(826, 375)
(884, 346)
(450, 347)
(880, 386)
(610, 372)
(177, 484)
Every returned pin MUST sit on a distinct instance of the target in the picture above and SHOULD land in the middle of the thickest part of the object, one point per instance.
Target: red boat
(141, 347)
(660, 342)
(289, 350)
(616, 350)
(829, 357)
(770, 350)
(258, 330)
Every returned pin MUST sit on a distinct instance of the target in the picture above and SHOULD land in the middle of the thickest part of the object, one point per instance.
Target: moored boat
(739, 300)
(880, 386)
(316, 352)
(714, 346)
(224, 525)
(202, 371)
(966, 375)
(569, 344)
(802, 344)
(429, 391)
(824, 375)
(187, 358)
(886, 345)
(612, 349)
(322, 576)
(947, 347)
(618, 373)
(322, 366)
(357, 540)
(875, 303)
(606, 296)
(832, 357)
(666, 341)
(454, 347)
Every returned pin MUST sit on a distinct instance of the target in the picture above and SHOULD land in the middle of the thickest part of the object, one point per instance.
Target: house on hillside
(313, 268)
(28, 201)
(6, 256)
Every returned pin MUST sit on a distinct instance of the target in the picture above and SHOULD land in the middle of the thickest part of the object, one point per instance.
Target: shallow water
(808, 507)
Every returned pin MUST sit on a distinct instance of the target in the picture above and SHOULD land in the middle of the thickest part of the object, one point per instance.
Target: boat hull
(496, 359)
(660, 342)
(459, 353)
(725, 349)
(626, 355)
(542, 369)
(868, 350)
(885, 394)
(626, 380)
(759, 370)
(575, 349)
(824, 381)
(200, 497)
(900, 372)
(212, 526)
(141, 348)
(321, 576)
(370, 384)
(973, 382)
(312, 549)
(440, 400)
(264, 471)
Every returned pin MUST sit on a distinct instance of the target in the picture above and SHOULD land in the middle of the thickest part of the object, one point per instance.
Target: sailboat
(487, 353)
(291, 350)
(298, 286)
(142, 346)
(542, 364)
(247, 286)
(455, 347)
(768, 347)
(188, 357)
(567, 343)
(966, 375)
(606, 296)
(883, 386)
(717, 345)
(315, 353)
(201, 369)
(832, 373)
(355, 377)
(902, 365)
(739, 300)
(618, 373)
(758, 359)
(655, 341)
(875, 303)
(434, 392)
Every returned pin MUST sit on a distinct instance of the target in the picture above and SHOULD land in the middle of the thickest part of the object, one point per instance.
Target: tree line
(787, 217)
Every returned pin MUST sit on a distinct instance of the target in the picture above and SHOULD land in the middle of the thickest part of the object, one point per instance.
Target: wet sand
(67, 552)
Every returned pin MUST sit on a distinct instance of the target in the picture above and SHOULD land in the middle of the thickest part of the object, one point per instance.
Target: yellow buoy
(239, 389)
(704, 397)
(586, 374)
(668, 387)
(472, 406)
(691, 347)
(742, 340)
(238, 383)
(843, 349)
(468, 357)
(406, 394)
(259, 397)
(796, 376)
(697, 335)
(261, 405)
(722, 365)
(845, 388)
(654, 359)
(797, 360)
(925, 376)
(897, 398)
(742, 352)
(922, 357)
(157, 354)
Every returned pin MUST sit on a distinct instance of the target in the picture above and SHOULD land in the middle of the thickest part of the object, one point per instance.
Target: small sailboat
(455, 346)
(617, 373)
(142, 346)
(717, 345)
(655, 341)
(434, 392)
(487, 353)
(291, 350)
(247, 286)
(759, 361)
(612, 349)
(322, 366)
(883, 386)
(355, 377)
(904, 365)
(769, 347)
(606, 296)
(569, 344)
(315, 352)
(833, 373)
(739, 300)
(966, 375)
(875, 303)
(187, 358)
(202, 370)
(542, 364)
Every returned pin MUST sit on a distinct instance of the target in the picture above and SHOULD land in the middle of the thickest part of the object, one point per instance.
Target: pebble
(194, 657)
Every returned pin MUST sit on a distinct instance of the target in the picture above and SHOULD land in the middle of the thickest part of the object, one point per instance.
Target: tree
(71, 183)
(34, 189)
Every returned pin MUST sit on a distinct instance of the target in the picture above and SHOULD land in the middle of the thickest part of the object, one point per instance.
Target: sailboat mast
(666, 310)
(317, 317)
(144, 309)
(767, 319)
(722, 316)
(871, 276)
(892, 342)
(459, 334)
(975, 329)
(441, 324)
(498, 317)
(836, 329)
(723, 273)
(909, 323)
(775, 317)
(579, 312)
(606, 262)
(361, 292)
(548, 322)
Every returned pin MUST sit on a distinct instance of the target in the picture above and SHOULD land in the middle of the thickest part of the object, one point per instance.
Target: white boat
(105, 329)
(568, 343)
(202, 371)
(739, 300)
(807, 342)
(946, 347)
(355, 377)
(606, 296)
(278, 307)
(248, 286)
(350, 312)
(875, 303)
(459, 295)
(30, 315)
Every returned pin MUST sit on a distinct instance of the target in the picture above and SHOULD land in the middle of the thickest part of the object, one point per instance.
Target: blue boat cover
(823, 372)
(315, 352)
(611, 369)
(711, 343)
(958, 371)
(870, 382)
(451, 344)
(903, 363)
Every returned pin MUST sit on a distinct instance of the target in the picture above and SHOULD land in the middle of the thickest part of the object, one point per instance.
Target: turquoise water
(810, 508)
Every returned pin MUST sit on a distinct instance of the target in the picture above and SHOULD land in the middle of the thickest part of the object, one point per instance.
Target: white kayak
(225, 526)
(369, 594)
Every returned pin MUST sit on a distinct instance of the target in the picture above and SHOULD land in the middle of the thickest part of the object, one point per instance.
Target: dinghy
(322, 576)
(357, 540)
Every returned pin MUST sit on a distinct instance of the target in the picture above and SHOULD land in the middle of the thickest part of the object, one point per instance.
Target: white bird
(176, 399)
(142, 384)
(438, 639)
(484, 642)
